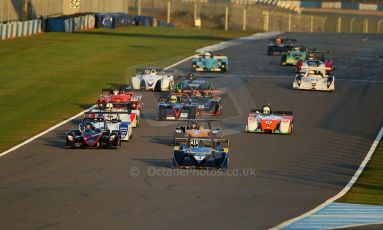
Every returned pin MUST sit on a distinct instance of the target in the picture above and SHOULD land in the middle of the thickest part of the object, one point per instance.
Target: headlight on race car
(178, 131)
(111, 138)
(215, 131)
(70, 137)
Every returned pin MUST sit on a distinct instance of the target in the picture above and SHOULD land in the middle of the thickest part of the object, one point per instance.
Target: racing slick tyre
(161, 114)
(283, 59)
(192, 113)
(173, 165)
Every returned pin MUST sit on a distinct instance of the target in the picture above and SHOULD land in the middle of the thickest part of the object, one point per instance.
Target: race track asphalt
(44, 186)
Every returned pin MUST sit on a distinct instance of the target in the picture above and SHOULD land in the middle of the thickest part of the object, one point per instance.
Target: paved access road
(44, 186)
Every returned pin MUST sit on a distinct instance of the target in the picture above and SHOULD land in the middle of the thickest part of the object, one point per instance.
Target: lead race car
(177, 107)
(93, 133)
(279, 45)
(198, 128)
(209, 62)
(202, 152)
(315, 78)
(267, 121)
(153, 78)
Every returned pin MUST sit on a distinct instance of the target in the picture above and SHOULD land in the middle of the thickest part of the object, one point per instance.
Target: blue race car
(208, 62)
(202, 152)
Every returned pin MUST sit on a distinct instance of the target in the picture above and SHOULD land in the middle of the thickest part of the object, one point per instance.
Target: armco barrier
(144, 20)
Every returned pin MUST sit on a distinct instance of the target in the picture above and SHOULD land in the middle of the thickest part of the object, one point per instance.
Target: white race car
(153, 79)
(114, 123)
(314, 78)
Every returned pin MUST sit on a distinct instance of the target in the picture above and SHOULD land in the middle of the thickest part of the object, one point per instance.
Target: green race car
(295, 54)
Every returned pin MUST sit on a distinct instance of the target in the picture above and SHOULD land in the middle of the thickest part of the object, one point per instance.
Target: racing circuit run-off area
(170, 115)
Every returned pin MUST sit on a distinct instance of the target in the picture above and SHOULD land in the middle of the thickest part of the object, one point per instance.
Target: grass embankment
(47, 78)
(368, 189)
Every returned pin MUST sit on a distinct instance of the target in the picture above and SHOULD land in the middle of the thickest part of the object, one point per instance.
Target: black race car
(93, 132)
(279, 45)
(177, 107)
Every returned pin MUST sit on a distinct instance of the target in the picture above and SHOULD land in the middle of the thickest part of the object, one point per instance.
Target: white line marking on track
(344, 190)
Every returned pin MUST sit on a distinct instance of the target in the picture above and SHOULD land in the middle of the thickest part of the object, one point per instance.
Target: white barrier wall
(19, 29)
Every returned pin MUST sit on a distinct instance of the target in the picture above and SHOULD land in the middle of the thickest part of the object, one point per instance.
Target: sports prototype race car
(279, 45)
(93, 133)
(207, 104)
(116, 122)
(198, 128)
(268, 121)
(209, 62)
(202, 152)
(122, 94)
(127, 114)
(153, 79)
(176, 107)
(315, 59)
(315, 78)
(293, 55)
(193, 84)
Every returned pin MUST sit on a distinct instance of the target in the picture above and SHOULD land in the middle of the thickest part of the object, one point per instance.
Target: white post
(244, 19)
(365, 25)
(139, 7)
(226, 18)
(312, 24)
(339, 25)
(289, 26)
(323, 24)
(379, 23)
(168, 18)
(351, 24)
(266, 21)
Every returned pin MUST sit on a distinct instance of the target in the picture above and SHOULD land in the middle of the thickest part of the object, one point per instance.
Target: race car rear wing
(319, 51)
(315, 68)
(274, 112)
(157, 69)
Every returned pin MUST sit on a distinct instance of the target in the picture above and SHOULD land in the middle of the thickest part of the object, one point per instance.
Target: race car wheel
(173, 165)
(283, 59)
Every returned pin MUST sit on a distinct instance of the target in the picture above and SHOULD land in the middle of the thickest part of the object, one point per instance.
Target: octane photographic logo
(168, 172)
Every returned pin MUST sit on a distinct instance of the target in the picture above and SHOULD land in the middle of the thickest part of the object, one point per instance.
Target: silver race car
(315, 78)
(153, 79)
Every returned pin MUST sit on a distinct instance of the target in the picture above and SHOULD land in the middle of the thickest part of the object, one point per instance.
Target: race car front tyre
(283, 59)
(192, 112)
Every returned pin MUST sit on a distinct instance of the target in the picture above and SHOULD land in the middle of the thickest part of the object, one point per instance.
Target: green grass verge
(368, 189)
(47, 78)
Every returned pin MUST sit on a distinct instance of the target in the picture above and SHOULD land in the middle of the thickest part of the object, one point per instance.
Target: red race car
(267, 121)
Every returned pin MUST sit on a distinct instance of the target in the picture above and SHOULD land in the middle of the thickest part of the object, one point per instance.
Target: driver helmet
(311, 72)
(190, 76)
(207, 55)
(173, 99)
(278, 40)
(311, 57)
(116, 92)
(109, 106)
(153, 71)
(193, 125)
(266, 109)
(194, 144)
(296, 49)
